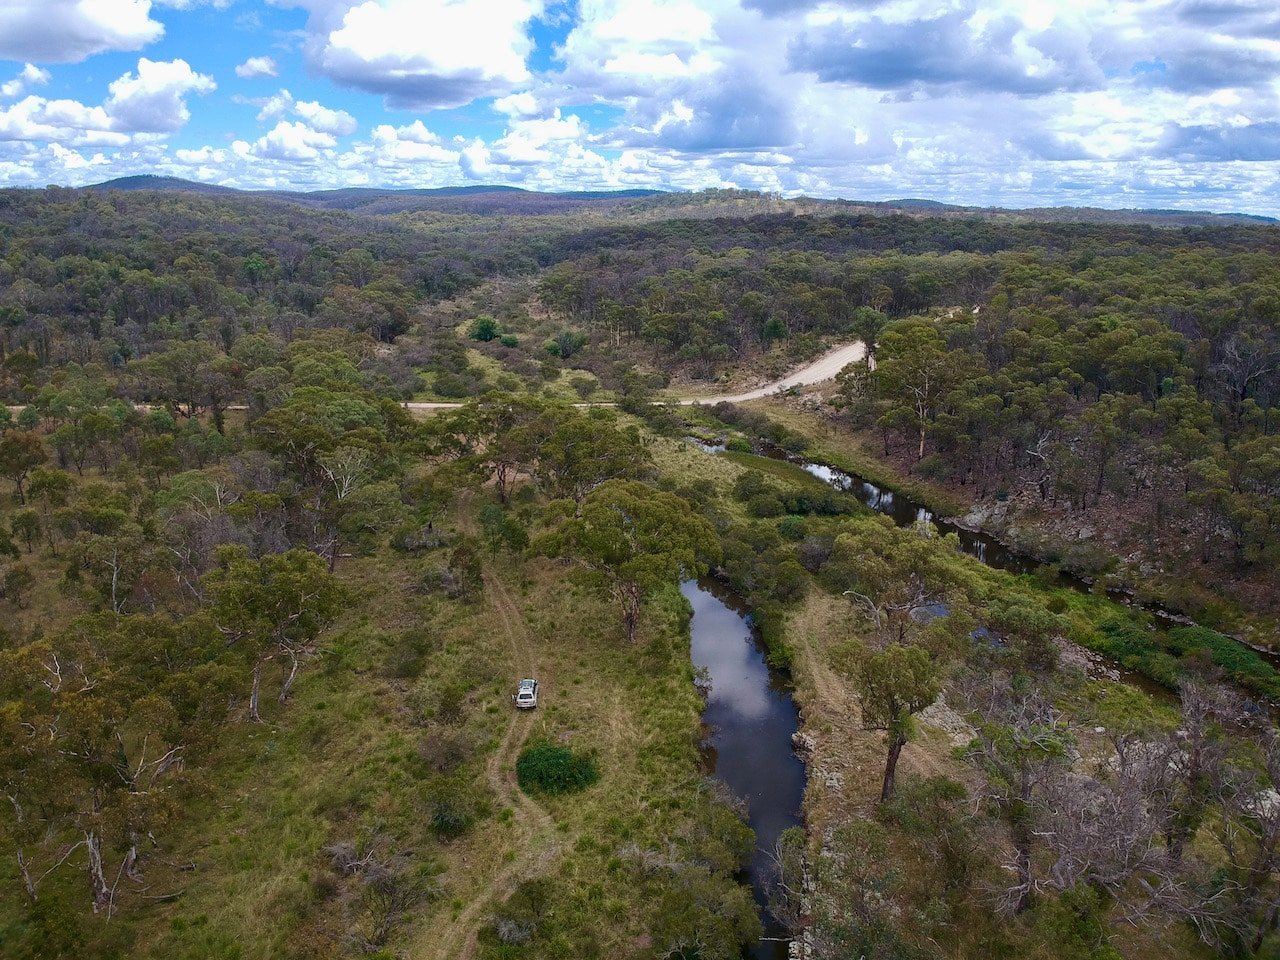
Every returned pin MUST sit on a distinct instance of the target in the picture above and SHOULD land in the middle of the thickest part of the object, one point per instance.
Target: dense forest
(263, 620)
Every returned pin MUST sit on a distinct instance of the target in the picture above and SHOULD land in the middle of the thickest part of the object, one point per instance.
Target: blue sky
(1166, 103)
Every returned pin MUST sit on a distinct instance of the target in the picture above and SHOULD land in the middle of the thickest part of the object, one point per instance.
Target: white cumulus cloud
(150, 101)
(288, 140)
(423, 54)
(67, 31)
(30, 76)
(337, 122)
(258, 67)
(313, 113)
(154, 99)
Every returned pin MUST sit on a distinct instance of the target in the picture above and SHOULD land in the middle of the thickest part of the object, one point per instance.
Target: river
(982, 546)
(750, 709)
(751, 715)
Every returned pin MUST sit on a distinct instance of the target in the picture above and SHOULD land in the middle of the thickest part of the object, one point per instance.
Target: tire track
(536, 833)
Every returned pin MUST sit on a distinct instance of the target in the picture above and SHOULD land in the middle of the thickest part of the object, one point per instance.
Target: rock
(803, 743)
(941, 716)
(1089, 663)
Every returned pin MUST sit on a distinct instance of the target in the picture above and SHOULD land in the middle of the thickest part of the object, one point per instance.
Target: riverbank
(1185, 602)
(751, 719)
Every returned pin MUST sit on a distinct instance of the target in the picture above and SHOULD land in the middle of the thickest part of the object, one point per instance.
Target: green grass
(343, 761)
(788, 473)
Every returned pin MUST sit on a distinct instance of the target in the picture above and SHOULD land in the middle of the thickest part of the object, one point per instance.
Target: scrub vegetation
(263, 621)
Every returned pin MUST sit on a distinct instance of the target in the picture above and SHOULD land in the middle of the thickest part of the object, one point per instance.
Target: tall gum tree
(636, 540)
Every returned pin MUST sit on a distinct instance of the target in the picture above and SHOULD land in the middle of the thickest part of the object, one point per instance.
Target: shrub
(1242, 664)
(483, 329)
(792, 528)
(932, 467)
(445, 750)
(1075, 923)
(517, 921)
(765, 505)
(750, 483)
(450, 807)
(547, 768)
(509, 340)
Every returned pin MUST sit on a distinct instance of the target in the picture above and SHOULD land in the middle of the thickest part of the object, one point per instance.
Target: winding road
(824, 368)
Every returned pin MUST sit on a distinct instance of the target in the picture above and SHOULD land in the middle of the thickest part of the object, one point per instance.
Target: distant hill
(1155, 218)
(473, 198)
(499, 199)
(150, 181)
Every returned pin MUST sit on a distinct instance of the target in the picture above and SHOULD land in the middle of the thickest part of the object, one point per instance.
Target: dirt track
(824, 368)
(537, 831)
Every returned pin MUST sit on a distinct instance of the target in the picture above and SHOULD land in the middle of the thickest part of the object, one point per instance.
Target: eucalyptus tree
(273, 607)
(635, 539)
(894, 685)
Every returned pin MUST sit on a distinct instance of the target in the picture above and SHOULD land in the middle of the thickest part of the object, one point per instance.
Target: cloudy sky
(1170, 103)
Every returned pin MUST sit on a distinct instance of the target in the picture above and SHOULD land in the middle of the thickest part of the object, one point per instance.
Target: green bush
(793, 528)
(547, 768)
(1075, 923)
(765, 505)
(483, 328)
(450, 806)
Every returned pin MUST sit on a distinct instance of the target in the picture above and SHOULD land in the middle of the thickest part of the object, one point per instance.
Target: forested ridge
(262, 623)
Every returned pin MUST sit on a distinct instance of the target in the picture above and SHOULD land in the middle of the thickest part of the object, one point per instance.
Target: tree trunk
(130, 867)
(630, 595)
(27, 882)
(97, 881)
(896, 743)
(1269, 924)
(1022, 862)
(500, 482)
(1020, 828)
(288, 681)
(253, 693)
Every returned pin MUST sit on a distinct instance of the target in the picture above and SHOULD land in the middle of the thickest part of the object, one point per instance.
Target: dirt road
(824, 368)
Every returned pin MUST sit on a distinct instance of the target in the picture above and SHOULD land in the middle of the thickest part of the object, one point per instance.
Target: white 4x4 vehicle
(526, 695)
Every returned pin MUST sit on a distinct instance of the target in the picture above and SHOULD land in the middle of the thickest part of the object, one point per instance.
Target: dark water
(752, 716)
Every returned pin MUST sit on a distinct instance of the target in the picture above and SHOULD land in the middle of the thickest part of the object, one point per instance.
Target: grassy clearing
(350, 759)
(789, 473)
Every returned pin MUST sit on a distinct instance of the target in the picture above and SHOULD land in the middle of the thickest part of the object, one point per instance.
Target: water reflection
(752, 717)
(982, 547)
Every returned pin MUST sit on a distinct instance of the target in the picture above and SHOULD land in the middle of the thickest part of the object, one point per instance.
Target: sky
(1151, 103)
